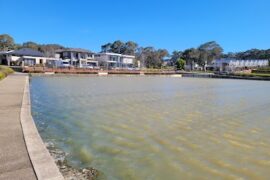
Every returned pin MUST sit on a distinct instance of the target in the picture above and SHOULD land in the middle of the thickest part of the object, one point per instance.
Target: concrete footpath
(22, 152)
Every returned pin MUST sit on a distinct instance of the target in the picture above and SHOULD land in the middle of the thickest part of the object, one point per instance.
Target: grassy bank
(253, 75)
(5, 71)
(262, 70)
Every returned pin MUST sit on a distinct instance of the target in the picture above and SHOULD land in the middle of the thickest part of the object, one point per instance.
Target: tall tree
(175, 56)
(106, 47)
(208, 52)
(31, 45)
(117, 47)
(151, 58)
(6, 42)
(130, 48)
(49, 49)
(191, 56)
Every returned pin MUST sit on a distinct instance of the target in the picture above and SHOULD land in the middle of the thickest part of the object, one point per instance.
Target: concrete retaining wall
(44, 165)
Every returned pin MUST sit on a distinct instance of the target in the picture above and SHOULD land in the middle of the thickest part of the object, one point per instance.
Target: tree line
(207, 52)
(149, 57)
(7, 43)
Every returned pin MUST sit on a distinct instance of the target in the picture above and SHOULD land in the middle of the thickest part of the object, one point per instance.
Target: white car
(87, 66)
(65, 64)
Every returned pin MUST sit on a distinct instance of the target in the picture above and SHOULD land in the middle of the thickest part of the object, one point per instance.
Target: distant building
(25, 57)
(237, 64)
(114, 60)
(77, 57)
(167, 62)
(193, 66)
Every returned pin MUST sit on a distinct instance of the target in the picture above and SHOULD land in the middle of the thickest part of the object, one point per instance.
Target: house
(168, 62)
(77, 57)
(237, 64)
(25, 57)
(114, 60)
(3, 57)
(190, 66)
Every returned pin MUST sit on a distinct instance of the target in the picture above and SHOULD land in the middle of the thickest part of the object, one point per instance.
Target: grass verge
(253, 75)
(5, 71)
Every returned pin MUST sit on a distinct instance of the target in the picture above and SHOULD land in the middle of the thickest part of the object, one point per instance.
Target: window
(65, 54)
(29, 62)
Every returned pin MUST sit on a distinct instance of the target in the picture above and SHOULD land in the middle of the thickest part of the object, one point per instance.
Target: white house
(114, 60)
(235, 64)
(25, 57)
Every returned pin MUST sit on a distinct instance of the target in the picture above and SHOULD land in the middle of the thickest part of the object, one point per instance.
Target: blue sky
(236, 25)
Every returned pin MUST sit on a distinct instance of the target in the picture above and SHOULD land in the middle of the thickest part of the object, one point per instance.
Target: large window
(113, 58)
(29, 62)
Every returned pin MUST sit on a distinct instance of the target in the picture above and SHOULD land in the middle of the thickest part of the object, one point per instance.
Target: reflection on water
(157, 127)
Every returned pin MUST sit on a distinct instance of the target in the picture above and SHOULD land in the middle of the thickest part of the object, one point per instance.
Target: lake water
(157, 128)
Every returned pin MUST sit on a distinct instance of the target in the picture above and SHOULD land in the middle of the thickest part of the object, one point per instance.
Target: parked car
(65, 64)
(90, 67)
(87, 66)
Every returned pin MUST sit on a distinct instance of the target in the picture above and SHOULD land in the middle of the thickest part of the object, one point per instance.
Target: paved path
(14, 160)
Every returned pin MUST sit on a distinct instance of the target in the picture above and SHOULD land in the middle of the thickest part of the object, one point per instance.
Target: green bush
(180, 64)
(5, 71)
(2, 75)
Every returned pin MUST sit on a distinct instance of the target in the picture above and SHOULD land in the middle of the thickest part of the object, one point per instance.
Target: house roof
(26, 52)
(5, 52)
(79, 50)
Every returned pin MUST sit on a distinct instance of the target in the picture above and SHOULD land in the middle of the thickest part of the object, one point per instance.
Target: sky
(237, 25)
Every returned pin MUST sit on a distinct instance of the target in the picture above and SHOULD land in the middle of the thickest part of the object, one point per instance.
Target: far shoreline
(183, 74)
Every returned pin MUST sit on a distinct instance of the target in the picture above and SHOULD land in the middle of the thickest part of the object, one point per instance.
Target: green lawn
(253, 74)
(5, 71)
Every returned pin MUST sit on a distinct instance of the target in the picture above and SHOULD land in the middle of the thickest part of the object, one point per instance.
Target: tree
(150, 57)
(6, 42)
(117, 47)
(147, 57)
(128, 48)
(17, 46)
(180, 64)
(191, 56)
(254, 54)
(208, 52)
(106, 47)
(229, 55)
(49, 49)
(31, 45)
(175, 56)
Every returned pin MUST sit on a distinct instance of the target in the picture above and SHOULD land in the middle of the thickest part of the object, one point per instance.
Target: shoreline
(41, 160)
(68, 171)
(54, 151)
(183, 75)
(48, 162)
(56, 165)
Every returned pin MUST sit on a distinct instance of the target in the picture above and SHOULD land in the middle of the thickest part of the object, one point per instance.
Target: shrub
(2, 75)
(4, 71)
(180, 64)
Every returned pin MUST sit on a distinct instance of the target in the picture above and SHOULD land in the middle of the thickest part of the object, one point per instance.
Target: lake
(157, 127)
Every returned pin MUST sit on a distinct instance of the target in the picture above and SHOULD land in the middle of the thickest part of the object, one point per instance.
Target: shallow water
(157, 127)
